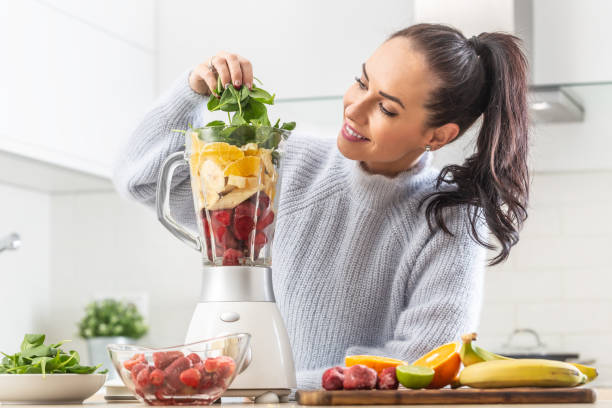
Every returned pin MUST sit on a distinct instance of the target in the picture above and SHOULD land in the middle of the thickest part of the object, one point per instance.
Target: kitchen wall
(25, 274)
(103, 245)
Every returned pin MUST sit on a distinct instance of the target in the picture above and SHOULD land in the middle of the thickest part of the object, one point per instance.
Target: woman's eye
(386, 112)
(360, 82)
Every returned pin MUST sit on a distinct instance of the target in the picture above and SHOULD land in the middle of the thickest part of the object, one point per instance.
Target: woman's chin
(350, 150)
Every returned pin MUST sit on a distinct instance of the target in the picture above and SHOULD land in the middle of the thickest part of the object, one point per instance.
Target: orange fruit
(445, 361)
(375, 362)
(223, 151)
(247, 166)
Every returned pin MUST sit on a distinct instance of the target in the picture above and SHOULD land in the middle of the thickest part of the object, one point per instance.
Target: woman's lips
(351, 134)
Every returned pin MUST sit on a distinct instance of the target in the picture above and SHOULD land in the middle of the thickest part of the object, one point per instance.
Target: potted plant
(110, 321)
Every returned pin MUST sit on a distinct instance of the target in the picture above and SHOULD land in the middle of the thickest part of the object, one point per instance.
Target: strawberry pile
(359, 377)
(176, 379)
(232, 229)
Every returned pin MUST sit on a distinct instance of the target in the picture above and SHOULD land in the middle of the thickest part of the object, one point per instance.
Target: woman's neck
(392, 169)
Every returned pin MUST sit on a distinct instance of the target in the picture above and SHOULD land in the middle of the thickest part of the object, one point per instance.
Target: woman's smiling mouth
(352, 135)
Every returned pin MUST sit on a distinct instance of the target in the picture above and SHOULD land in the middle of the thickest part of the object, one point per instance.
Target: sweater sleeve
(139, 162)
(444, 294)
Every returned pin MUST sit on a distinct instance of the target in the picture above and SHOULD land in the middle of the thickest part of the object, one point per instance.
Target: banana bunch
(484, 369)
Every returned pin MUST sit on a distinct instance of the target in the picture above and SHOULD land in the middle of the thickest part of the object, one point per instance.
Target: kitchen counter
(604, 399)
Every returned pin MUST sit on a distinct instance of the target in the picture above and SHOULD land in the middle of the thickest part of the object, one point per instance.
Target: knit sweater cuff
(179, 103)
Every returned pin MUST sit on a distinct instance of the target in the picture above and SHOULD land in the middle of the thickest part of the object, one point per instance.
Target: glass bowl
(191, 374)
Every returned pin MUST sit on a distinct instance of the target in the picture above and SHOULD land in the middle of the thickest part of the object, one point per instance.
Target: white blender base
(271, 369)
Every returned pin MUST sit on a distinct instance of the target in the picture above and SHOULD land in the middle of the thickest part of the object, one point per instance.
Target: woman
(375, 252)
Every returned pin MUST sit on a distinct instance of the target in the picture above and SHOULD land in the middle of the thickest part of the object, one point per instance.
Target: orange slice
(445, 361)
(375, 362)
(247, 166)
(222, 151)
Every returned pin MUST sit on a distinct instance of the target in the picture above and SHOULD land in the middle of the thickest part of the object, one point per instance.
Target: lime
(414, 377)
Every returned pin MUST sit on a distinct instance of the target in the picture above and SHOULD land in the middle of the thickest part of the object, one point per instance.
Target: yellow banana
(471, 354)
(521, 373)
(590, 372)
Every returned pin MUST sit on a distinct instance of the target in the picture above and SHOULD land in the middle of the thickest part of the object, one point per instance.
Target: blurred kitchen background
(77, 76)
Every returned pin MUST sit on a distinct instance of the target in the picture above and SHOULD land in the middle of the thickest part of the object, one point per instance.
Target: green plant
(36, 357)
(110, 317)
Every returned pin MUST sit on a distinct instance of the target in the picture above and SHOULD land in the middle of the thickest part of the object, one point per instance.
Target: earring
(428, 148)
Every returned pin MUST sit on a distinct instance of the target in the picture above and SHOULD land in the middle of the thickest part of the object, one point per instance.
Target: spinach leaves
(36, 357)
(249, 123)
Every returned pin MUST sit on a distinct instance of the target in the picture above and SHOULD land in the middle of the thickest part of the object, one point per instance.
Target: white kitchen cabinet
(571, 41)
(72, 91)
(298, 48)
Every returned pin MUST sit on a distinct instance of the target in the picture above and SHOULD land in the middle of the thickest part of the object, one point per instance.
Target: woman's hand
(232, 68)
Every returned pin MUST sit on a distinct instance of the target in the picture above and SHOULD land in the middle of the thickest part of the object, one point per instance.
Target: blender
(234, 179)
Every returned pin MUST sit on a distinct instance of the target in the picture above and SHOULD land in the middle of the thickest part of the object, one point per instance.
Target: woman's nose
(357, 111)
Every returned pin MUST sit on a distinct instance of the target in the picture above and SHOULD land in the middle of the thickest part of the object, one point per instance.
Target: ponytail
(485, 75)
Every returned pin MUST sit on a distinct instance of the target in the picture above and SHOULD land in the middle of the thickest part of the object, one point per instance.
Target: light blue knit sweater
(356, 269)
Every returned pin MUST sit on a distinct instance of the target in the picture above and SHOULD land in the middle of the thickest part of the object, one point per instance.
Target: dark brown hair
(485, 75)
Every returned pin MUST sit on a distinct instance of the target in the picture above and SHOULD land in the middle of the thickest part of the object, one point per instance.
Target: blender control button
(230, 316)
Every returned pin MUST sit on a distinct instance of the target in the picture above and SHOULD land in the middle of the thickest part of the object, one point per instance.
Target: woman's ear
(443, 135)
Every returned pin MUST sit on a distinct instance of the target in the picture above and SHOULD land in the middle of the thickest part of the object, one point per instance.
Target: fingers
(200, 80)
(230, 68)
(234, 69)
(210, 78)
(222, 70)
(247, 72)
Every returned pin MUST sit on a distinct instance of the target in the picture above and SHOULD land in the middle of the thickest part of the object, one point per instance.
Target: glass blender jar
(234, 173)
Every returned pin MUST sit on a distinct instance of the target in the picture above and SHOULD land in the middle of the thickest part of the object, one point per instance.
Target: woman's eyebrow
(386, 95)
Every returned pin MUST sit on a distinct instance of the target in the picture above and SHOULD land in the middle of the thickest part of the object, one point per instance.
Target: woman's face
(384, 118)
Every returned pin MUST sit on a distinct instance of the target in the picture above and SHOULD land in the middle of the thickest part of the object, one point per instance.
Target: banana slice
(250, 149)
(232, 199)
(266, 158)
(211, 177)
(242, 182)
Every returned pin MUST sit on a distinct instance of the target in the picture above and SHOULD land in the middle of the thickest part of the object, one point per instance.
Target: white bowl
(53, 389)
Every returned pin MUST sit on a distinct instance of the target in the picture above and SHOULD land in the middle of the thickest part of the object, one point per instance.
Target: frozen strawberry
(387, 380)
(231, 257)
(224, 217)
(174, 370)
(260, 239)
(230, 241)
(219, 252)
(191, 377)
(162, 359)
(143, 377)
(265, 220)
(205, 226)
(264, 201)
(219, 231)
(195, 359)
(136, 358)
(137, 369)
(243, 225)
(226, 367)
(165, 393)
(333, 378)
(359, 377)
(245, 209)
(157, 377)
(211, 364)
(200, 367)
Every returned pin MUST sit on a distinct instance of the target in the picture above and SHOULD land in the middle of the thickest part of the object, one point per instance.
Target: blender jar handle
(164, 182)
